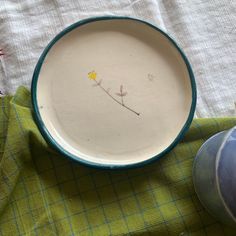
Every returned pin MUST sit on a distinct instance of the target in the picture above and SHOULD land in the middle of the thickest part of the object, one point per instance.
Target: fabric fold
(42, 192)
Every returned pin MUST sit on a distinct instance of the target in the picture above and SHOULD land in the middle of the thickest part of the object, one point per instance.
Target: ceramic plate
(113, 92)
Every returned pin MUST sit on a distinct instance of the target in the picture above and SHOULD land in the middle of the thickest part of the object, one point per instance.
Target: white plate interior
(135, 63)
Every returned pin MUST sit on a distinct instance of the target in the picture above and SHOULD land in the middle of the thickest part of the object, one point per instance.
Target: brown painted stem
(122, 104)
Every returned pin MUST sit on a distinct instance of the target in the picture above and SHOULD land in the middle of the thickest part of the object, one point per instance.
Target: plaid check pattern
(43, 193)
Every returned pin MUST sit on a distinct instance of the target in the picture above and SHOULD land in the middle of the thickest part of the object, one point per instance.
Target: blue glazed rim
(220, 178)
(47, 136)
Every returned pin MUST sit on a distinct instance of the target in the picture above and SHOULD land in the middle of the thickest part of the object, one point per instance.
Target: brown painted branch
(122, 104)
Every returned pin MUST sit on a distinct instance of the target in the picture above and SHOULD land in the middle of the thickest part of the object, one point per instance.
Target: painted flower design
(93, 76)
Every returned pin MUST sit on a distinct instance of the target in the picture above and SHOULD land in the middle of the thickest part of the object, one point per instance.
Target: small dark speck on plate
(151, 77)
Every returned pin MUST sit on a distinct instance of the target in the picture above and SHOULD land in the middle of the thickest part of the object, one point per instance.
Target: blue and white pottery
(214, 176)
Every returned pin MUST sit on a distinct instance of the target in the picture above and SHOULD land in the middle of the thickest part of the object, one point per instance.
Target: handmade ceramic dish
(113, 92)
(214, 176)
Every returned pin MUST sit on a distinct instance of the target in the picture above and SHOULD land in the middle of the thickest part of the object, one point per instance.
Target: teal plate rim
(47, 136)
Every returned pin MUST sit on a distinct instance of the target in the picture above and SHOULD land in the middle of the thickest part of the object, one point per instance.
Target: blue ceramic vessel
(214, 176)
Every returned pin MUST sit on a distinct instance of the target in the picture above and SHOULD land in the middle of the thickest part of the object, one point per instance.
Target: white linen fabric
(206, 31)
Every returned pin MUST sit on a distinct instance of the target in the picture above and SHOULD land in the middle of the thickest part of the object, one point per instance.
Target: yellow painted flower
(92, 75)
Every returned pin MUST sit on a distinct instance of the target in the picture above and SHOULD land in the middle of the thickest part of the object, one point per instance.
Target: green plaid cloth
(43, 193)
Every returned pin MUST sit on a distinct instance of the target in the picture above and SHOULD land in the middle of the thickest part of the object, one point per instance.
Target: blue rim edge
(47, 136)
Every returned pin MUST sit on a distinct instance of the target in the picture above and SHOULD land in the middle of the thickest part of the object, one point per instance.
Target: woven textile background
(43, 193)
(205, 29)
